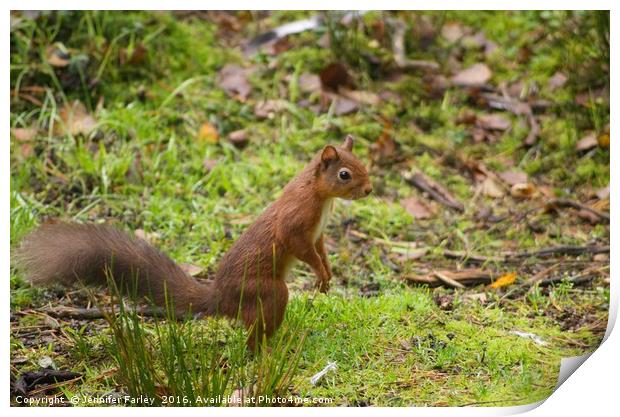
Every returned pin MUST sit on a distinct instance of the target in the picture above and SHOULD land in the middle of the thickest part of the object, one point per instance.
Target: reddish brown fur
(250, 280)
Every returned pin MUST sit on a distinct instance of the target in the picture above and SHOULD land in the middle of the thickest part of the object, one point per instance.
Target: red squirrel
(250, 280)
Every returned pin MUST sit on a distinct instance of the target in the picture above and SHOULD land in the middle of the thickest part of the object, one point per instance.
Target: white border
(592, 389)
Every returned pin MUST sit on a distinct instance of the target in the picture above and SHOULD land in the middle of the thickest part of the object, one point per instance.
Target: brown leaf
(491, 188)
(588, 216)
(385, 149)
(57, 55)
(452, 32)
(475, 41)
(475, 76)
(190, 269)
(239, 138)
(513, 177)
(479, 297)
(138, 55)
(493, 122)
(416, 208)
(334, 76)
(586, 98)
(523, 190)
(277, 46)
(24, 134)
(557, 81)
(234, 80)
(363, 97)
(151, 237)
(603, 193)
(345, 106)
(309, 83)
(267, 109)
(587, 142)
(74, 120)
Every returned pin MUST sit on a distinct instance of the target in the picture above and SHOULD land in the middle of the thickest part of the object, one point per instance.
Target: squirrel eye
(344, 175)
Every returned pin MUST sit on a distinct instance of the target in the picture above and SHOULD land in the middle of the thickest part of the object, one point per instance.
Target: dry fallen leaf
(25, 137)
(344, 106)
(234, 80)
(557, 81)
(334, 76)
(309, 83)
(588, 216)
(603, 193)
(493, 122)
(239, 138)
(208, 133)
(190, 269)
(57, 55)
(523, 190)
(452, 32)
(513, 177)
(74, 120)
(505, 280)
(151, 237)
(491, 188)
(587, 142)
(24, 134)
(385, 149)
(267, 109)
(364, 97)
(475, 76)
(416, 208)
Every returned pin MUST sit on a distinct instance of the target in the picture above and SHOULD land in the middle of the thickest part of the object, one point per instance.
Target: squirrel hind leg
(264, 316)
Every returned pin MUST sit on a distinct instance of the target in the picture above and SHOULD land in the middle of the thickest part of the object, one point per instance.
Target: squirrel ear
(348, 143)
(329, 155)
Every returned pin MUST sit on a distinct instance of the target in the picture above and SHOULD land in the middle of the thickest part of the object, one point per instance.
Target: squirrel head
(341, 174)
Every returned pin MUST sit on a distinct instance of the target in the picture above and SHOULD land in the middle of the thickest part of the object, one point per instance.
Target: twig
(502, 256)
(97, 313)
(399, 50)
(447, 280)
(471, 257)
(517, 107)
(565, 202)
(52, 386)
(457, 279)
(558, 250)
(435, 190)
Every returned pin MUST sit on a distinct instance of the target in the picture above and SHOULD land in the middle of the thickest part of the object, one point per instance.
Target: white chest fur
(325, 212)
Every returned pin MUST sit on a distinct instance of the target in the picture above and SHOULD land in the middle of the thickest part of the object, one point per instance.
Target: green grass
(143, 169)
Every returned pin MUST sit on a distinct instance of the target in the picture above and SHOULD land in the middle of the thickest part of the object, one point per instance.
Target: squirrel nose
(368, 189)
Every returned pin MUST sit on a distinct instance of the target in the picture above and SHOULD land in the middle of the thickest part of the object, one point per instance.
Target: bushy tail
(67, 253)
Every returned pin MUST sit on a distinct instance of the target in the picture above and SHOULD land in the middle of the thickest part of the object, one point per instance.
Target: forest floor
(174, 126)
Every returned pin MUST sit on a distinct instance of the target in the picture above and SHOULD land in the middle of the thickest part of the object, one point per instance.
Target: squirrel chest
(325, 212)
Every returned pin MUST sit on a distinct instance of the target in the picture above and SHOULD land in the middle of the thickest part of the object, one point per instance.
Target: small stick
(565, 202)
(435, 190)
(97, 313)
(399, 51)
(447, 280)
